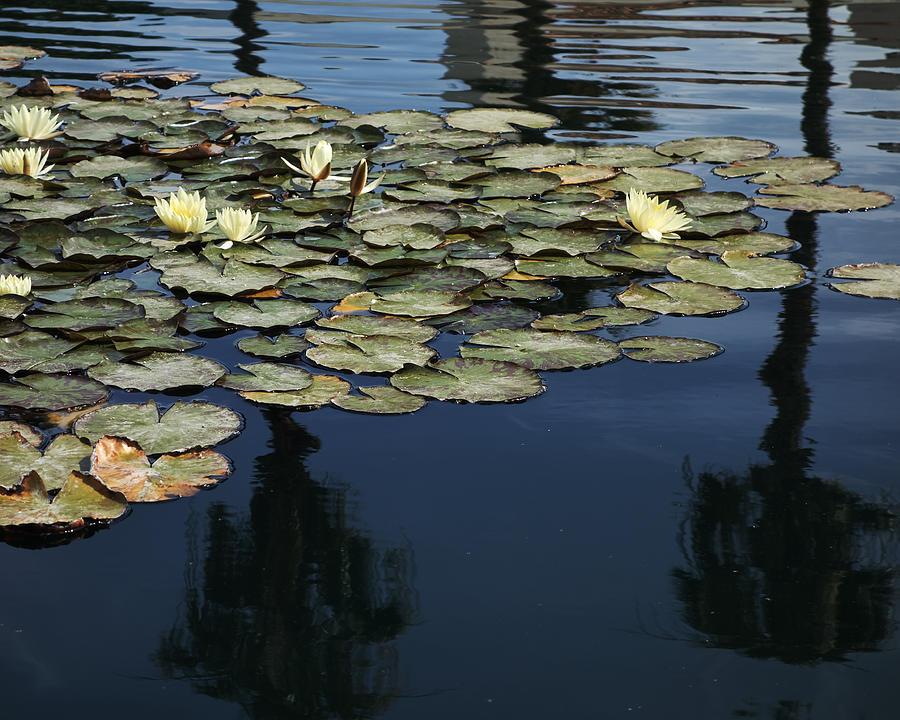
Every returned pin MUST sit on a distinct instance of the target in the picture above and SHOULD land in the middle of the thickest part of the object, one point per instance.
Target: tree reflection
(289, 611)
(781, 564)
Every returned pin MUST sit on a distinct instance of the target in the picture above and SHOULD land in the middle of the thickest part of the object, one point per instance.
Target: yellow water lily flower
(184, 212)
(25, 161)
(35, 123)
(15, 284)
(315, 164)
(358, 184)
(651, 218)
(238, 226)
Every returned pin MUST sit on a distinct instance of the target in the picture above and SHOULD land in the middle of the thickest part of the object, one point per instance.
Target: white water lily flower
(15, 284)
(651, 218)
(25, 161)
(184, 212)
(238, 226)
(31, 123)
(315, 164)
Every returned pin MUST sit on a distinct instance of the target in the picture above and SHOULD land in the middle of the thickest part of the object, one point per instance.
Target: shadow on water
(782, 564)
(288, 610)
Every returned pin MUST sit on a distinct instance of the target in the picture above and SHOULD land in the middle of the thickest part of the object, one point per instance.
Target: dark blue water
(709, 540)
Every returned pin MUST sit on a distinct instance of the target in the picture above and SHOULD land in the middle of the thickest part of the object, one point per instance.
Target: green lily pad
(562, 266)
(877, 280)
(822, 197)
(281, 347)
(531, 155)
(379, 325)
(739, 271)
(25, 350)
(51, 392)
(696, 203)
(442, 218)
(159, 371)
(201, 276)
(517, 290)
(29, 434)
(265, 313)
(717, 149)
(366, 353)
(593, 318)
(380, 400)
(539, 350)
(516, 184)
(489, 268)
(104, 245)
(89, 313)
(485, 316)
(257, 85)
(446, 279)
(551, 241)
(268, 377)
(397, 121)
(681, 298)
(129, 169)
(323, 390)
(433, 191)
(642, 256)
(470, 380)
(498, 120)
(18, 458)
(668, 349)
(727, 223)
(652, 180)
(773, 171)
(82, 499)
(623, 156)
(121, 465)
(184, 426)
(417, 236)
(420, 303)
(758, 243)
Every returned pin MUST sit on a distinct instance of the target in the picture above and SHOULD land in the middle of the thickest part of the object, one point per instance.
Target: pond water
(713, 539)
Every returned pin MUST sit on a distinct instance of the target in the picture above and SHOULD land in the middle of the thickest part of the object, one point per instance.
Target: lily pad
(82, 499)
(268, 377)
(419, 303)
(470, 380)
(257, 85)
(668, 349)
(52, 392)
(280, 347)
(486, 316)
(265, 313)
(129, 169)
(323, 390)
(380, 400)
(25, 350)
(122, 466)
(417, 236)
(642, 256)
(681, 298)
(89, 313)
(159, 371)
(878, 280)
(822, 197)
(782, 170)
(201, 276)
(739, 271)
(18, 457)
(717, 149)
(379, 325)
(757, 243)
(652, 180)
(499, 120)
(540, 350)
(184, 426)
(366, 353)
(562, 266)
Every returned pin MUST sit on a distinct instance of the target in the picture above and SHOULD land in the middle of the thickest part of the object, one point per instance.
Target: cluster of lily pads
(465, 229)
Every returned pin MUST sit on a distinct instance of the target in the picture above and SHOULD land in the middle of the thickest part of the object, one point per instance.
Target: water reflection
(779, 563)
(289, 610)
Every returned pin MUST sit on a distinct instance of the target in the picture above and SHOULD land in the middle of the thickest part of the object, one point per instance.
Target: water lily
(358, 184)
(315, 164)
(31, 123)
(651, 218)
(25, 161)
(184, 212)
(15, 284)
(238, 226)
